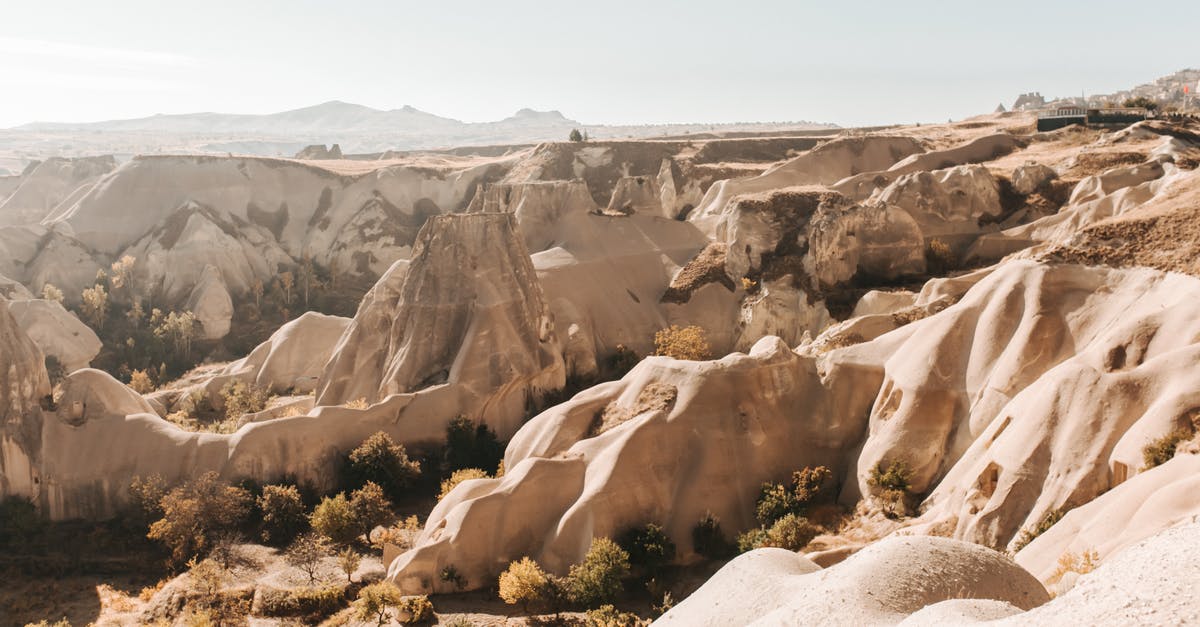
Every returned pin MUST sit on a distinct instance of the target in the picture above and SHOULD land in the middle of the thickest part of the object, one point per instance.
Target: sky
(612, 62)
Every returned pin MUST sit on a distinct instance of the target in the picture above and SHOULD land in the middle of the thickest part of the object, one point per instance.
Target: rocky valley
(902, 375)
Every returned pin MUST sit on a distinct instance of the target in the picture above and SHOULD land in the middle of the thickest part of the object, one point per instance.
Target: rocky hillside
(921, 375)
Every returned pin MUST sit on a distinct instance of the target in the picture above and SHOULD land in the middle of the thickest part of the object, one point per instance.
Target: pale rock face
(662, 451)
(1005, 426)
(880, 585)
(57, 332)
(13, 290)
(1146, 504)
(174, 258)
(23, 384)
(862, 186)
(50, 183)
(211, 304)
(63, 262)
(879, 302)
(471, 313)
(637, 194)
(1031, 177)
(293, 358)
(876, 240)
(780, 309)
(824, 165)
(543, 209)
(945, 202)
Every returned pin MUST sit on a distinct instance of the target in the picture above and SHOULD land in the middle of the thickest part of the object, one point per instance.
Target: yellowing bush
(682, 343)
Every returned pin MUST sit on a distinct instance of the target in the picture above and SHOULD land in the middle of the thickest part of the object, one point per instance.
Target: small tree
(370, 507)
(122, 272)
(135, 313)
(348, 561)
(287, 281)
(282, 513)
(306, 554)
(334, 518)
(145, 497)
(524, 582)
(49, 292)
(575, 135)
(194, 513)
(383, 461)
(94, 306)
(682, 343)
(140, 382)
(470, 445)
(376, 602)
(1141, 102)
(649, 548)
(177, 328)
(597, 579)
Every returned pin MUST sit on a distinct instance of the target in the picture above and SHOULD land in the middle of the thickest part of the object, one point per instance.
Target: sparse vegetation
(49, 292)
(414, 610)
(94, 306)
(283, 514)
(649, 549)
(450, 574)
(334, 518)
(597, 579)
(682, 343)
(470, 445)
(348, 561)
(1069, 562)
(306, 554)
(709, 540)
(458, 477)
(140, 382)
(376, 602)
(894, 484)
(380, 460)
(243, 398)
(939, 257)
(523, 583)
(575, 135)
(370, 508)
(1043, 525)
(609, 616)
(1161, 450)
(1141, 102)
(195, 513)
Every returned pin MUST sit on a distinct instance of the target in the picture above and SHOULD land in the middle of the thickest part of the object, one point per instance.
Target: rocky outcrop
(50, 183)
(667, 464)
(23, 386)
(211, 304)
(824, 165)
(57, 332)
(320, 152)
(1032, 177)
(470, 313)
(292, 359)
(545, 210)
(947, 204)
(881, 585)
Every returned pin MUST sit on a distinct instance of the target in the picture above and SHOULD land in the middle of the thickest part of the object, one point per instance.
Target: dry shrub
(1161, 450)
(687, 342)
(358, 403)
(458, 477)
(403, 534)
(1069, 562)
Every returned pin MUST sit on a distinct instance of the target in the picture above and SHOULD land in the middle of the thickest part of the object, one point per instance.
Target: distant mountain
(358, 129)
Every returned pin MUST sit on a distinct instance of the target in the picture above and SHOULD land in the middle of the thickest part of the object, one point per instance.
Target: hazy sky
(598, 62)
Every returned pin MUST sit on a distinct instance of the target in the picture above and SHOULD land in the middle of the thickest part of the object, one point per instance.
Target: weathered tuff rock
(57, 332)
(23, 385)
(1031, 177)
(319, 151)
(470, 313)
(882, 584)
(990, 401)
(292, 359)
(211, 304)
(945, 202)
(50, 183)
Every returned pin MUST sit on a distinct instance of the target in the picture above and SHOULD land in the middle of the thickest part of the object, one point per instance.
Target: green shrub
(306, 554)
(1161, 450)
(709, 540)
(370, 508)
(648, 547)
(310, 602)
(382, 461)
(470, 445)
(334, 518)
(597, 579)
(791, 532)
(415, 609)
(283, 516)
(523, 583)
(243, 398)
(450, 574)
(752, 539)
(777, 500)
(610, 616)
(1043, 525)
(376, 602)
(894, 488)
